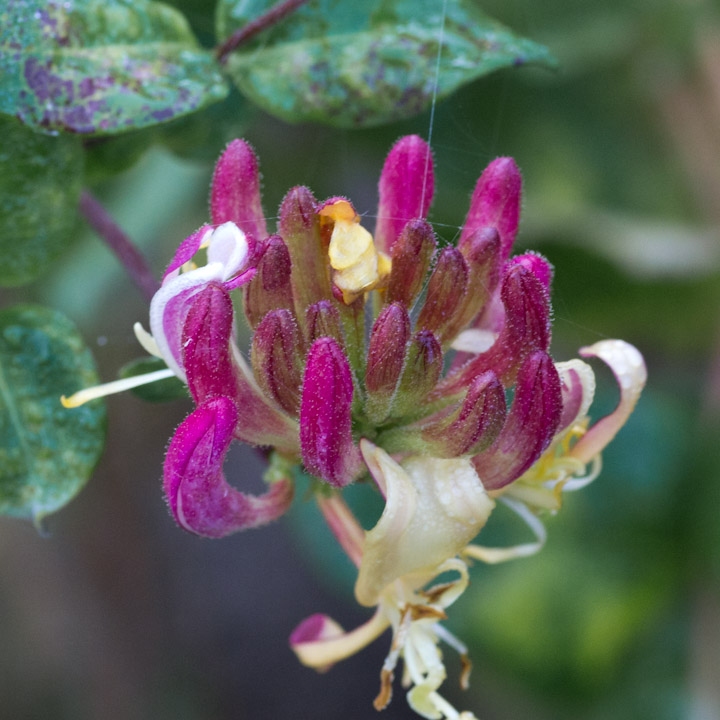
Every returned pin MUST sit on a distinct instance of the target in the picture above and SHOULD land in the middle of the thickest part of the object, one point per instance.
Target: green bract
(101, 66)
(361, 64)
(40, 180)
(46, 451)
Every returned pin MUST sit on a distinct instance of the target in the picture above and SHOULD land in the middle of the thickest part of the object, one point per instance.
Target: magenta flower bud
(411, 258)
(323, 320)
(471, 427)
(299, 227)
(213, 371)
(386, 356)
(205, 342)
(406, 189)
(199, 497)
(445, 294)
(270, 288)
(530, 426)
(525, 329)
(276, 359)
(423, 366)
(326, 439)
(482, 255)
(496, 203)
(235, 194)
(539, 266)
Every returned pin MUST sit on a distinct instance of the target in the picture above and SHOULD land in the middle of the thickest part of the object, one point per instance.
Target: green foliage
(101, 67)
(362, 64)
(47, 452)
(40, 179)
(160, 391)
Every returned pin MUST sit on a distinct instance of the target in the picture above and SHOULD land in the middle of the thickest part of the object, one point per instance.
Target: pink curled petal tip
(630, 371)
(539, 266)
(187, 249)
(199, 497)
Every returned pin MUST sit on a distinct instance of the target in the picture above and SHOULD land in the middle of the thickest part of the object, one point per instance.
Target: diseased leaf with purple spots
(357, 64)
(40, 181)
(100, 67)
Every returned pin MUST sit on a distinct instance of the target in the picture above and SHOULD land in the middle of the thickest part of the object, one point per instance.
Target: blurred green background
(118, 614)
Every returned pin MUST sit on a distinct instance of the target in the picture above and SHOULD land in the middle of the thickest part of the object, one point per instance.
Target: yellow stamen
(358, 266)
(98, 391)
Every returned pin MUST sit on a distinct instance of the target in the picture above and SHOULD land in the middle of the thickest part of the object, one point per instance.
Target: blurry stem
(243, 34)
(343, 524)
(131, 258)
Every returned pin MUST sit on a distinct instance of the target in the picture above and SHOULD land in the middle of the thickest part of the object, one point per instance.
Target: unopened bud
(235, 194)
(276, 361)
(406, 189)
(445, 294)
(496, 203)
(411, 257)
(270, 288)
(386, 356)
(326, 440)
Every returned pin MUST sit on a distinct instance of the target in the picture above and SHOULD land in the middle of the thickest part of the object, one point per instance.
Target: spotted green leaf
(46, 451)
(359, 64)
(40, 179)
(101, 66)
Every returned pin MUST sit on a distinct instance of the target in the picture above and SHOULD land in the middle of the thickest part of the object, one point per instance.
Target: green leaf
(160, 391)
(40, 179)
(360, 64)
(101, 66)
(47, 452)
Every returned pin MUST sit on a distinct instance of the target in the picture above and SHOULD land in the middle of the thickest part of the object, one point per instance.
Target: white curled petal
(629, 369)
(434, 507)
(335, 645)
(229, 247)
(168, 309)
(493, 556)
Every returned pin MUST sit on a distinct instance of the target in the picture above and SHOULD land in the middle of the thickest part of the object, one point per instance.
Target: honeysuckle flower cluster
(380, 357)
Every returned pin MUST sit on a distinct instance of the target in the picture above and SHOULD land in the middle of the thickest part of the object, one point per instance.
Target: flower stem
(131, 258)
(343, 524)
(273, 15)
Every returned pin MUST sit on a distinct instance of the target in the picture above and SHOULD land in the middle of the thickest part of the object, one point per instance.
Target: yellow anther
(357, 264)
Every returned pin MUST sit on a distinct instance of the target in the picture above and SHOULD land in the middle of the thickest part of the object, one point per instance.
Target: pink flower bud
(526, 328)
(235, 194)
(270, 288)
(530, 425)
(212, 371)
(539, 266)
(482, 255)
(276, 359)
(406, 189)
(200, 498)
(445, 294)
(326, 440)
(323, 320)
(385, 359)
(300, 229)
(411, 258)
(423, 366)
(472, 426)
(496, 203)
